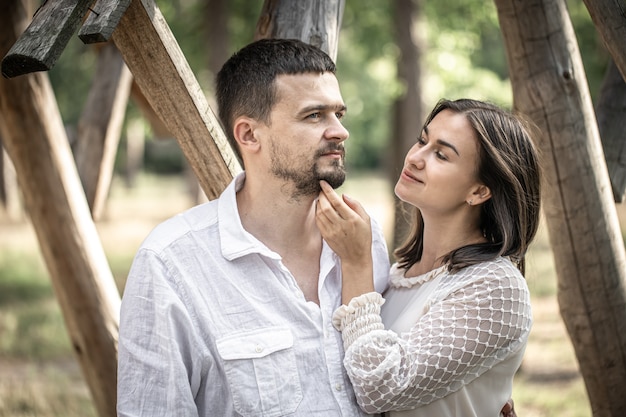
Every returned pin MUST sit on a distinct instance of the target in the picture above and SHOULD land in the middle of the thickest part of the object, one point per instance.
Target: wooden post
(610, 110)
(44, 39)
(100, 126)
(311, 21)
(165, 79)
(609, 17)
(35, 139)
(550, 87)
(102, 21)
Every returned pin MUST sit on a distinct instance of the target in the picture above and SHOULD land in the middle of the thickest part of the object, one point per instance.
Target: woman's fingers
(342, 209)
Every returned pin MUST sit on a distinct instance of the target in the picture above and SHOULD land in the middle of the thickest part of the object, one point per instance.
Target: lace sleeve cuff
(359, 317)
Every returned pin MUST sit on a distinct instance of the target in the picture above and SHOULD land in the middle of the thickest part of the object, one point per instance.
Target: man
(227, 307)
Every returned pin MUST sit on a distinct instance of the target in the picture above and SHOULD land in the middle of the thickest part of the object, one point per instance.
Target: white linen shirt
(213, 324)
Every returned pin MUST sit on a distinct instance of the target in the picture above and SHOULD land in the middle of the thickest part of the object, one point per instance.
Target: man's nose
(337, 131)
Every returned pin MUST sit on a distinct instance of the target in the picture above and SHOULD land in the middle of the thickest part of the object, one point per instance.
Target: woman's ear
(244, 132)
(480, 194)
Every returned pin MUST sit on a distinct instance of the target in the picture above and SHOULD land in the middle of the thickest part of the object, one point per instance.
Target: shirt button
(338, 387)
(258, 349)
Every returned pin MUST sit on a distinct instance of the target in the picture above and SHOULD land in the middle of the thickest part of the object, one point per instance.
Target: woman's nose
(415, 157)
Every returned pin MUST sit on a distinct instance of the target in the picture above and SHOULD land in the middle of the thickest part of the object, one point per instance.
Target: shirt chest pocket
(261, 369)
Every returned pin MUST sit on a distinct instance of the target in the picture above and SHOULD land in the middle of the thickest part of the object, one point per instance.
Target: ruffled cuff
(359, 317)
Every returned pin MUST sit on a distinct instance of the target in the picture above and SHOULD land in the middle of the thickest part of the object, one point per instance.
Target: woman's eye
(441, 155)
(421, 140)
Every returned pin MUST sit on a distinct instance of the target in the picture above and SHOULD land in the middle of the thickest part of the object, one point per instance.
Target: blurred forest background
(463, 57)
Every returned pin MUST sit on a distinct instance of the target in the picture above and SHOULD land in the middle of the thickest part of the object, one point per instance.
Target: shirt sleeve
(457, 339)
(380, 257)
(158, 360)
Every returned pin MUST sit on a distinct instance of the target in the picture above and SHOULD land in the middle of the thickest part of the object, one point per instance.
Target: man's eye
(314, 116)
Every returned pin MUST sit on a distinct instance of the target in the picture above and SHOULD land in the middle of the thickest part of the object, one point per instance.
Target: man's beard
(306, 181)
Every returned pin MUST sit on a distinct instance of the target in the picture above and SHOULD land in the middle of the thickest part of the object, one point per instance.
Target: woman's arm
(455, 341)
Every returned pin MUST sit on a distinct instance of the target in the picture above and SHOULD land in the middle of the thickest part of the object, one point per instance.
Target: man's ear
(244, 131)
(480, 194)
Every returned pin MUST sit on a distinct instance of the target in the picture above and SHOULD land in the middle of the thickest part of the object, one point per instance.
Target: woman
(456, 318)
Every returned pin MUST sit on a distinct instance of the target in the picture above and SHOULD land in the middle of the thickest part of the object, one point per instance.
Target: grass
(40, 377)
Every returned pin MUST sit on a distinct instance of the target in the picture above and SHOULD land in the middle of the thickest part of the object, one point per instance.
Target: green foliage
(31, 324)
(21, 279)
(367, 74)
(464, 57)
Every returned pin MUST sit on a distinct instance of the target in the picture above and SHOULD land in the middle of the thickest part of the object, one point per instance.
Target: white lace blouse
(444, 344)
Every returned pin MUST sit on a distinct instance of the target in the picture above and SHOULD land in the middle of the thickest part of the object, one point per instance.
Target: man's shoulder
(195, 219)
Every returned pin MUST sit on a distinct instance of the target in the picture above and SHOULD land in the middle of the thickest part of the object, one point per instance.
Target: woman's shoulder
(497, 273)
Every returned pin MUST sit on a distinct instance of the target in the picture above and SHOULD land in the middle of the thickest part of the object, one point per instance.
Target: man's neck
(288, 228)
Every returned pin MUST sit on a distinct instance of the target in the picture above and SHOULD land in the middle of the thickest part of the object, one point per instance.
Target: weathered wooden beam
(166, 80)
(550, 87)
(45, 38)
(610, 111)
(35, 139)
(609, 17)
(100, 126)
(102, 21)
(312, 21)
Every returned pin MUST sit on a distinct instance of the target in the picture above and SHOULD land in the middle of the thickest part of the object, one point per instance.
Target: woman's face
(440, 170)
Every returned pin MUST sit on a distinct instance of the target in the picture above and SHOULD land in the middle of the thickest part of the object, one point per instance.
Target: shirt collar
(235, 240)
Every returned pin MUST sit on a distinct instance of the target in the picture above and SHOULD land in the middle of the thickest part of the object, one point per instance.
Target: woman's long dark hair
(509, 166)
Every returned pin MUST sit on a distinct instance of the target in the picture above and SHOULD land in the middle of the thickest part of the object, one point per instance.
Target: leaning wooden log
(41, 44)
(166, 80)
(159, 131)
(35, 139)
(100, 126)
(9, 190)
(609, 17)
(102, 21)
(312, 21)
(610, 111)
(550, 86)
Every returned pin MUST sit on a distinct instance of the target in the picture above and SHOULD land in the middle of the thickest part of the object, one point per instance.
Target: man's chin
(335, 180)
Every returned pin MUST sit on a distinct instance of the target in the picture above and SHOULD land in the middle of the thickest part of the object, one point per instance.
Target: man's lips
(335, 154)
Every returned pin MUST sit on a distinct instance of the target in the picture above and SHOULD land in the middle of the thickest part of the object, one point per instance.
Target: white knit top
(444, 344)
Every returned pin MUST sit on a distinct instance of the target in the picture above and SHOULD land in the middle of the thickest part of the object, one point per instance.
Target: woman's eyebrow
(443, 142)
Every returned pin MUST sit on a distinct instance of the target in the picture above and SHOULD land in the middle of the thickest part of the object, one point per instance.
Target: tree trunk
(549, 86)
(408, 108)
(609, 16)
(9, 191)
(100, 126)
(312, 21)
(35, 139)
(610, 110)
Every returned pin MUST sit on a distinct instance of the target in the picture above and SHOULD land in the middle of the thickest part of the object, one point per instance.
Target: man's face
(306, 133)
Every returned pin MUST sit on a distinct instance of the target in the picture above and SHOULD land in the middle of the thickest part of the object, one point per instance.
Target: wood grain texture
(550, 87)
(43, 41)
(167, 82)
(102, 20)
(34, 137)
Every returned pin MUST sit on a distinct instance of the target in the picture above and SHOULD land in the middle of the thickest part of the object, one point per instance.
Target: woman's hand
(347, 229)
(344, 224)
